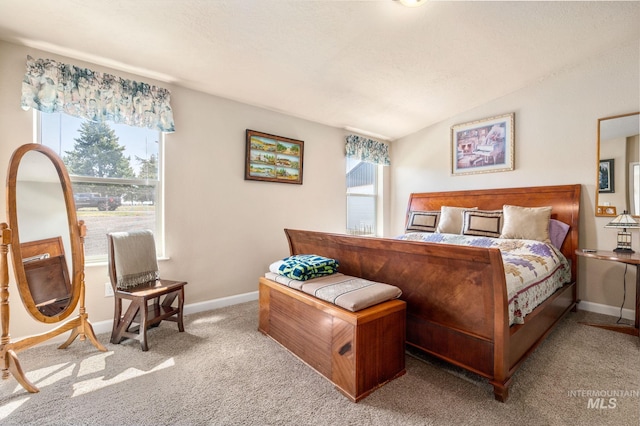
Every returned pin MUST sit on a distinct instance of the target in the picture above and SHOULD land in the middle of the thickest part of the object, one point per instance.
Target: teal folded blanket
(303, 267)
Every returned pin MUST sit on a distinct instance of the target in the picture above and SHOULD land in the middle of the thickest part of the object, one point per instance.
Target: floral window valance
(368, 150)
(50, 86)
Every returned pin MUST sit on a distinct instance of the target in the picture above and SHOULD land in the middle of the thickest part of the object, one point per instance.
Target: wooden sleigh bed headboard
(563, 199)
(438, 281)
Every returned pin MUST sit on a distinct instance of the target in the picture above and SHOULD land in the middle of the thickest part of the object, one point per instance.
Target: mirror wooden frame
(77, 261)
(603, 210)
(9, 235)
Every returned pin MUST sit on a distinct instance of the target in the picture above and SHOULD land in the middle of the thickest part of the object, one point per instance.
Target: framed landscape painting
(273, 158)
(482, 146)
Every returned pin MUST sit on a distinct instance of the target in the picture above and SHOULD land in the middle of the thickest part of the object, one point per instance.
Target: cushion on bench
(348, 292)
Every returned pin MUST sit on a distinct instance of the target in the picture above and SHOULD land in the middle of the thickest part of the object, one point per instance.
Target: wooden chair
(139, 316)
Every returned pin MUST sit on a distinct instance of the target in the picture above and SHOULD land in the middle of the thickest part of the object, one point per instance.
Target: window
(365, 159)
(116, 174)
(362, 197)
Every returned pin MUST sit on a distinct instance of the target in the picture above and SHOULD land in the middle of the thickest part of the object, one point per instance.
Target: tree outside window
(116, 162)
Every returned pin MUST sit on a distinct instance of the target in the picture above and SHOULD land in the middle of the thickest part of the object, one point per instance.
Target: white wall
(555, 144)
(221, 231)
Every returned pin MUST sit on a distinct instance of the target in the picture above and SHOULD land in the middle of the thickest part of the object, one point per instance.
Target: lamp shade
(625, 220)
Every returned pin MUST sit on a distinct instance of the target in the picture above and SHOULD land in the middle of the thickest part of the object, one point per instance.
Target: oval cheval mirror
(47, 249)
(45, 239)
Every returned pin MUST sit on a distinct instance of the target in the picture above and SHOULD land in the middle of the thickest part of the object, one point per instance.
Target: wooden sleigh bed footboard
(456, 295)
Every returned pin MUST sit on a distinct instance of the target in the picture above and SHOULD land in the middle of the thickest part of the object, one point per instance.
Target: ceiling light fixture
(412, 3)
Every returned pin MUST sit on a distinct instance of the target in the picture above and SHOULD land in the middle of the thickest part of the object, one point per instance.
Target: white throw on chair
(133, 270)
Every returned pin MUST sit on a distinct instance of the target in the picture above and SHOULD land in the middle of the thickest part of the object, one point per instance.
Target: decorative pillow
(485, 223)
(451, 219)
(303, 267)
(420, 221)
(528, 223)
(558, 232)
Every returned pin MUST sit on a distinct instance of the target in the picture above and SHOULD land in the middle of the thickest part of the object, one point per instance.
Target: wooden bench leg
(501, 390)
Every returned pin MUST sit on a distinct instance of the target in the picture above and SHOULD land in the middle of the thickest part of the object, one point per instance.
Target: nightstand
(630, 259)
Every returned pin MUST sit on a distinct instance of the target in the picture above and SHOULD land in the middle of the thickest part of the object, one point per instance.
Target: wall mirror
(47, 251)
(618, 165)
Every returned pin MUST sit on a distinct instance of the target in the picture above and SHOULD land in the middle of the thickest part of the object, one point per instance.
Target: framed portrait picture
(483, 146)
(606, 177)
(273, 158)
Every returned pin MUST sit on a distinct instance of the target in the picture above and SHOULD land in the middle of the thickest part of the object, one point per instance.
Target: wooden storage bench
(357, 351)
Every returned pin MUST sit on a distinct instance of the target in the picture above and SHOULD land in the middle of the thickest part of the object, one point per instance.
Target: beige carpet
(222, 371)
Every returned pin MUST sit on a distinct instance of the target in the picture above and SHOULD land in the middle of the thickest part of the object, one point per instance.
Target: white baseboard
(606, 310)
(105, 326)
(220, 303)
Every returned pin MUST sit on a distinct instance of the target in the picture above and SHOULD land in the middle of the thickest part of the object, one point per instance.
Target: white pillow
(451, 219)
(527, 223)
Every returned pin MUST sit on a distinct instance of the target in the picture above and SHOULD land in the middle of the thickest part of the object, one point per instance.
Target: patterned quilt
(534, 270)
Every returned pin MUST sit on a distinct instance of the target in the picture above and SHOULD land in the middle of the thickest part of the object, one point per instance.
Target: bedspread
(534, 270)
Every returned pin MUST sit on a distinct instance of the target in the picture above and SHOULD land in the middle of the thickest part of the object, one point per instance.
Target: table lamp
(624, 221)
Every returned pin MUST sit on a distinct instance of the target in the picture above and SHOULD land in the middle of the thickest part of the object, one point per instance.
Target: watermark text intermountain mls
(603, 399)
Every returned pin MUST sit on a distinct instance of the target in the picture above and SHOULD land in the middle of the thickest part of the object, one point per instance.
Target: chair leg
(156, 312)
(117, 320)
(180, 309)
(168, 301)
(121, 328)
(144, 311)
(169, 298)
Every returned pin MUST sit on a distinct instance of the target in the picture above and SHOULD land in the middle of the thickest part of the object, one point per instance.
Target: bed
(457, 297)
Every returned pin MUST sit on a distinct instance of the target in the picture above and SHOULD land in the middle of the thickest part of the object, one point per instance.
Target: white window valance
(51, 86)
(368, 150)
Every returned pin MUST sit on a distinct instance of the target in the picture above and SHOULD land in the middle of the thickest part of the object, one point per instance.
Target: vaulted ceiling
(373, 66)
